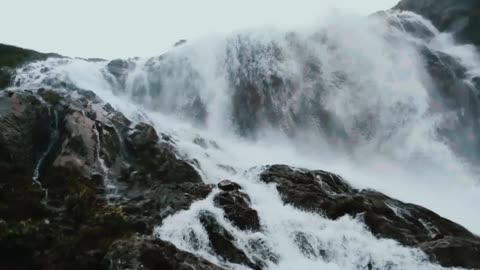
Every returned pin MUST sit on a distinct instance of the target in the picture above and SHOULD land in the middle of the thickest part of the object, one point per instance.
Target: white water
(374, 88)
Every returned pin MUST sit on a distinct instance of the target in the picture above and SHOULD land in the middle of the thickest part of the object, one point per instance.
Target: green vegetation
(12, 57)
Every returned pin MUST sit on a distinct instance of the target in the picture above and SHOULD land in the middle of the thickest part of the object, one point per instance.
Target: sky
(126, 28)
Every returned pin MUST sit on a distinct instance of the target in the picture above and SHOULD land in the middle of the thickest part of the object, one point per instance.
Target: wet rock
(159, 163)
(76, 143)
(451, 93)
(453, 251)
(460, 17)
(152, 204)
(222, 241)
(409, 224)
(236, 206)
(142, 136)
(5, 77)
(118, 67)
(227, 185)
(262, 252)
(143, 253)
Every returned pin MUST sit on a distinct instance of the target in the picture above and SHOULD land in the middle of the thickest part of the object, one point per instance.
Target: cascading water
(355, 96)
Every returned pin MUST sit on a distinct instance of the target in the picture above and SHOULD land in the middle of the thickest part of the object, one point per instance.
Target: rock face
(457, 94)
(460, 16)
(78, 179)
(328, 194)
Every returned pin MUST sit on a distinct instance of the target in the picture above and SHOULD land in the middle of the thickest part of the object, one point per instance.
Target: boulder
(444, 241)
(223, 242)
(227, 185)
(236, 205)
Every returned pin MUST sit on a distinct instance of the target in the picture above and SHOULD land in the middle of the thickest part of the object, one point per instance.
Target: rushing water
(351, 96)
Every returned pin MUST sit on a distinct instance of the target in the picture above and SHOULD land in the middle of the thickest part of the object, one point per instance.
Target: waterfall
(354, 96)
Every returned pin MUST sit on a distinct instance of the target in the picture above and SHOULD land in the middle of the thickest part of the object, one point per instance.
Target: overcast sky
(125, 28)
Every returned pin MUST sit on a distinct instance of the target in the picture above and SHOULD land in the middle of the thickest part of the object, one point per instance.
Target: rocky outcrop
(222, 241)
(459, 16)
(78, 178)
(328, 194)
(237, 209)
(118, 69)
(456, 93)
(137, 253)
(236, 205)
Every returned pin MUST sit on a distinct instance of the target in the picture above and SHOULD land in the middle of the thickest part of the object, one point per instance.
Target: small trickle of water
(53, 138)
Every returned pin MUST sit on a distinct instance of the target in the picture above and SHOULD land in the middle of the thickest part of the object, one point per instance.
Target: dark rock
(453, 251)
(409, 224)
(75, 143)
(118, 67)
(5, 77)
(236, 206)
(262, 252)
(476, 83)
(159, 163)
(222, 241)
(458, 16)
(451, 93)
(405, 23)
(144, 253)
(227, 185)
(142, 136)
(151, 204)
